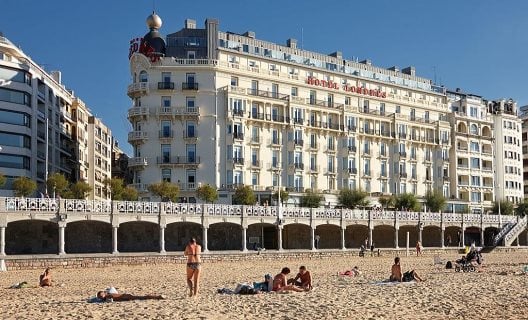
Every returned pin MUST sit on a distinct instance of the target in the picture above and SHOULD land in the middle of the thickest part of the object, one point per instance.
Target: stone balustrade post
(244, 238)
(279, 237)
(114, 239)
(370, 227)
(3, 205)
(204, 239)
(396, 236)
(2, 241)
(312, 238)
(442, 237)
(343, 229)
(62, 227)
(162, 239)
(463, 236)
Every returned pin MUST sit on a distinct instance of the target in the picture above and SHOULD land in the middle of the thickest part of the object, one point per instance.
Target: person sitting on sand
(192, 251)
(45, 278)
(396, 273)
(303, 279)
(351, 273)
(126, 297)
(280, 285)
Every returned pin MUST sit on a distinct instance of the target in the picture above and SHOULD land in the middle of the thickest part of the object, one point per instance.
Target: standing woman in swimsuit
(192, 251)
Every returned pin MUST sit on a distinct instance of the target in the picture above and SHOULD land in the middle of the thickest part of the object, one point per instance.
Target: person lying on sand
(303, 279)
(396, 273)
(352, 273)
(280, 285)
(126, 297)
(45, 278)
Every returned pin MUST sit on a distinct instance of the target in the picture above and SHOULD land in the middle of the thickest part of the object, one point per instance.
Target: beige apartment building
(44, 127)
(229, 109)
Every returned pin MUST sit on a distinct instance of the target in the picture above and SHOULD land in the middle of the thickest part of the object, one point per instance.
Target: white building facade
(225, 109)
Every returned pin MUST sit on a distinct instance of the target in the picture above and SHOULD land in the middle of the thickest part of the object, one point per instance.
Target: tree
(2, 179)
(129, 194)
(522, 208)
(435, 201)
(386, 201)
(207, 193)
(311, 200)
(24, 187)
(506, 207)
(80, 190)
(57, 184)
(406, 201)
(244, 195)
(351, 199)
(116, 187)
(284, 195)
(165, 190)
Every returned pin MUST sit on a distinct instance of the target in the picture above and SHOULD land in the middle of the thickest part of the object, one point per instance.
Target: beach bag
(449, 265)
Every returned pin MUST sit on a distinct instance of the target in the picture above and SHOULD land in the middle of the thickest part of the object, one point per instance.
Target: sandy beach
(497, 291)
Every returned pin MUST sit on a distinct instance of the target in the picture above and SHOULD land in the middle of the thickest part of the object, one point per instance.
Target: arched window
(143, 76)
(474, 129)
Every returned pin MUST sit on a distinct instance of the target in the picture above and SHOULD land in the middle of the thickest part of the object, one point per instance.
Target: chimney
(56, 75)
(190, 24)
(291, 43)
(249, 34)
(337, 54)
(409, 70)
(368, 62)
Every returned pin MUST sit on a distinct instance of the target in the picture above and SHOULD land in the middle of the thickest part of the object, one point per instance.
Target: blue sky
(479, 46)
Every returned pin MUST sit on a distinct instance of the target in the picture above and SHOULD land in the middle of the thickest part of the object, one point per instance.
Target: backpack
(449, 265)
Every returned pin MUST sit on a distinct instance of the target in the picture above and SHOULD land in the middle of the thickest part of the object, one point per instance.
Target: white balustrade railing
(514, 232)
(47, 205)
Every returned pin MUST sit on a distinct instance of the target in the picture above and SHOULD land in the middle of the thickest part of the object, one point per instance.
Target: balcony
(274, 142)
(190, 135)
(277, 118)
(351, 170)
(352, 149)
(256, 140)
(190, 86)
(140, 187)
(256, 115)
(404, 175)
(189, 186)
(178, 160)
(137, 112)
(267, 94)
(237, 113)
(297, 165)
(403, 154)
(298, 142)
(275, 166)
(165, 85)
(138, 89)
(238, 136)
(238, 161)
(137, 136)
(313, 169)
(137, 162)
(255, 164)
(298, 121)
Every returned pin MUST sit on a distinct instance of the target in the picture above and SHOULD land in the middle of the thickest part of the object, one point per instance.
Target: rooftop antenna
(302, 38)
(153, 5)
(434, 74)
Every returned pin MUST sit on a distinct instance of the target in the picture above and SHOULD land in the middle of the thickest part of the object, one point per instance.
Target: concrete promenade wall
(142, 259)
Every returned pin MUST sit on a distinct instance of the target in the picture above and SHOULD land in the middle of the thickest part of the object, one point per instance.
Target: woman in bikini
(192, 251)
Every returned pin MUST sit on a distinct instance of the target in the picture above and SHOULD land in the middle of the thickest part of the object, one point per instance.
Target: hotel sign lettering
(333, 85)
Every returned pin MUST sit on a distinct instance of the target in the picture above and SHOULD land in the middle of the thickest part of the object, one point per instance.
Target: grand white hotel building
(225, 109)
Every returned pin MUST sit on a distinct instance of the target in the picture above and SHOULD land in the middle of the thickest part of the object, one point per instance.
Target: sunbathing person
(126, 297)
(352, 273)
(303, 279)
(396, 273)
(45, 278)
(279, 282)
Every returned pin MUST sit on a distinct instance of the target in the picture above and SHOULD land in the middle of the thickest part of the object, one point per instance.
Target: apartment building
(508, 150)
(524, 118)
(229, 109)
(100, 158)
(44, 127)
(471, 159)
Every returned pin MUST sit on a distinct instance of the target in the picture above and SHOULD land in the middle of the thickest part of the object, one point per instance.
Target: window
(474, 129)
(15, 96)
(143, 76)
(367, 167)
(473, 112)
(191, 55)
(397, 109)
(475, 181)
(475, 196)
(294, 91)
(166, 77)
(475, 163)
(382, 108)
(166, 175)
(234, 81)
(191, 153)
(190, 130)
(189, 101)
(254, 179)
(347, 101)
(191, 77)
(474, 146)
(165, 153)
(16, 118)
(14, 161)
(15, 75)
(166, 101)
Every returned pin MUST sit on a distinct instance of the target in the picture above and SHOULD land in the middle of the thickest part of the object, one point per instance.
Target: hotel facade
(46, 129)
(225, 109)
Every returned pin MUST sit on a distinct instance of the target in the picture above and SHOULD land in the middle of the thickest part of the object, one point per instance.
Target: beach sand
(497, 291)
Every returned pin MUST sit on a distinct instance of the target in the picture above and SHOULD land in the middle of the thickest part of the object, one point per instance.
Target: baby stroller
(467, 263)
